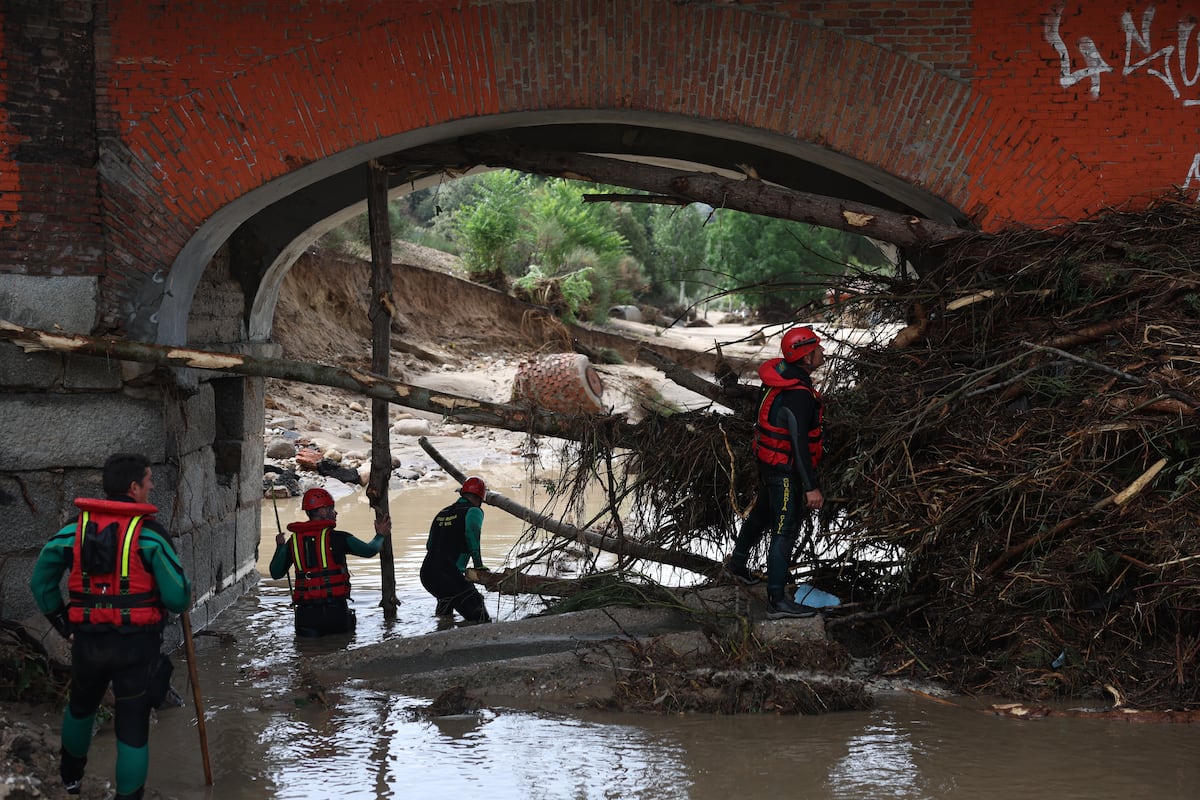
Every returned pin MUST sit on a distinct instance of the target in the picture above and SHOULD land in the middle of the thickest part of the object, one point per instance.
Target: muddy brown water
(270, 736)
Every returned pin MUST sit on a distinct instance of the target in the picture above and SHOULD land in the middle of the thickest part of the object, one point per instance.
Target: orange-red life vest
(109, 583)
(319, 573)
(773, 443)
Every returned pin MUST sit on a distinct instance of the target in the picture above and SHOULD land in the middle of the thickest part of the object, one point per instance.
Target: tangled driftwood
(1012, 481)
(1031, 457)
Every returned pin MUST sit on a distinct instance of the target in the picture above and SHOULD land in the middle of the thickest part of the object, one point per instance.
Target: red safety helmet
(474, 485)
(799, 342)
(316, 498)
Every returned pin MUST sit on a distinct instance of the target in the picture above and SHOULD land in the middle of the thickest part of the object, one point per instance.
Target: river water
(269, 736)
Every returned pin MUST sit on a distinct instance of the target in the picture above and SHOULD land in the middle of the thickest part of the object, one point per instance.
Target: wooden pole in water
(380, 313)
(190, 650)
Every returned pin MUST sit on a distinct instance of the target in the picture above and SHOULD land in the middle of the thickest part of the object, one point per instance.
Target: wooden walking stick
(279, 528)
(190, 649)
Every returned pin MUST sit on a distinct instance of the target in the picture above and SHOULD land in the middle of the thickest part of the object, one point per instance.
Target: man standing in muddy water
(788, 442)
(321, 595)
(453, 542)
(123, 578)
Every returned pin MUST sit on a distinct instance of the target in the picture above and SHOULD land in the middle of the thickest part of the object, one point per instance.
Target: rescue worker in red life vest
(453, 541)
(123, 578)
(787, 448)
(321, 593)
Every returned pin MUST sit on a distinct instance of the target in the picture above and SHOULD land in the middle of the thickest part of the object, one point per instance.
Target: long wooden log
(743, 194)
(514, 582)
(623, 547)
(694, 383)
(452, 407)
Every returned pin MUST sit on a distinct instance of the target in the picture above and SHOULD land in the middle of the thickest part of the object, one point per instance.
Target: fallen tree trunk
(452, 407)
(750, 195)
(694, 383)
(514, 582)
(625, 548)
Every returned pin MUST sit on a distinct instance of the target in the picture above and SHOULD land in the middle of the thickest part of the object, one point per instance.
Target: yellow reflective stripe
(320, 549)
(82, 531)
(126, 544)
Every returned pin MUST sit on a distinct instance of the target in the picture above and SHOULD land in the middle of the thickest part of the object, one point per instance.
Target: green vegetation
(539, 237)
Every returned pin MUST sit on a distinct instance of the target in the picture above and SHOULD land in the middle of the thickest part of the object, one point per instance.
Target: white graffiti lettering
(1193, 174)
(1096, 65)
(1142, 38)
(1185, 35)
(1141, 54)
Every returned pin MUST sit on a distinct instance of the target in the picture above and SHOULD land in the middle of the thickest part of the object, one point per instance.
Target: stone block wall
(62, 415)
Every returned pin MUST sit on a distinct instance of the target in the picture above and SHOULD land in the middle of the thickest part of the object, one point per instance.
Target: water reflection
(879, 763)
(375, 745)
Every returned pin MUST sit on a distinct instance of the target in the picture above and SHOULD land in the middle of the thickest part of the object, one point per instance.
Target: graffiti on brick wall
(1164, 57)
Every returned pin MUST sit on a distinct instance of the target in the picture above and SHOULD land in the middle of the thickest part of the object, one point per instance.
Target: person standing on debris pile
(321, 595)
(788, 441)
(123, 578)
(453, 541)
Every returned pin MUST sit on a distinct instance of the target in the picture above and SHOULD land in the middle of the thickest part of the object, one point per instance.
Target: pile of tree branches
(1012, 479)
(1028, 449)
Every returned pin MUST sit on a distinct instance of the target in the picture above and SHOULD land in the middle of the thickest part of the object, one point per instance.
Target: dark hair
(122, 469)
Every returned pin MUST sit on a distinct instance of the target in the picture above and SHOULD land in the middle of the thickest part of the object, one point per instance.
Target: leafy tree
(488, 226)
(677, 263)
(777, 266)
(577, 244)
(564, 225)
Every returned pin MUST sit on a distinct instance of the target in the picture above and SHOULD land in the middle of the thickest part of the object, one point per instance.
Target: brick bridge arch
(996, 112)
(883, 119)
(161, 163)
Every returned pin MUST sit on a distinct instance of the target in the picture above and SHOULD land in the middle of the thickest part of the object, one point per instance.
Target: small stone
(280, 447)
(411, 427)
(307, 458)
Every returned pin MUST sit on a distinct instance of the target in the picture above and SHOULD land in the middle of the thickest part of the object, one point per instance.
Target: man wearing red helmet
(321, 594)
(453, 542)
(788, 442)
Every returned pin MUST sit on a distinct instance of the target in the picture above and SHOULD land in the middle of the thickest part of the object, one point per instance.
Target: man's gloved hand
(482, 568)
(58, 619)
(383, 527)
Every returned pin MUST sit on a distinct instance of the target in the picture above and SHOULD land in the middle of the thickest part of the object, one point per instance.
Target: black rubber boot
(70, 769)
